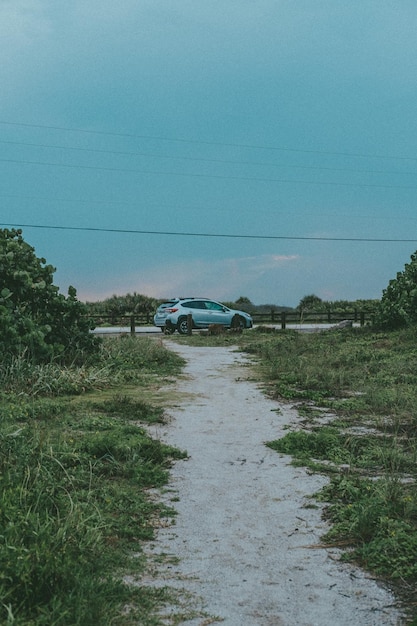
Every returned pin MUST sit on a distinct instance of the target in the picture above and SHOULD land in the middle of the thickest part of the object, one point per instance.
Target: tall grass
(119, 361)
(74, 478)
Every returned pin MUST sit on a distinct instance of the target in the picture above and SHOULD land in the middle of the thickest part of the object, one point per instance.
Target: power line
(213, 176)
(217, 235)
(203, 160)
(209, 143)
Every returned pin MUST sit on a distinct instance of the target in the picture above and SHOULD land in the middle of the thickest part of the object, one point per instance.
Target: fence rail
(325, 317)
(277, 318)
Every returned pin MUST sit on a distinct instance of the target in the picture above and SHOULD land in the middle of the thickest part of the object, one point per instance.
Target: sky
(217, 148)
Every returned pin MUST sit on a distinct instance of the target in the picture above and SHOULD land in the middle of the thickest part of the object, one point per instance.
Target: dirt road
(245, 535)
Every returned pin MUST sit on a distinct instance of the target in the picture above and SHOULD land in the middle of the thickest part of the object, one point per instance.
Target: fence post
(189, 324)
(283, 320)
(132, 325)
(362, 314)
(272, 316)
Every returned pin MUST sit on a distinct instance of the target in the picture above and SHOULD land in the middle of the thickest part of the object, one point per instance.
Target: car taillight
(171, 310)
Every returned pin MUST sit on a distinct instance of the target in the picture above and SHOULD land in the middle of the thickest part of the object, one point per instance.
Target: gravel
(245, 546)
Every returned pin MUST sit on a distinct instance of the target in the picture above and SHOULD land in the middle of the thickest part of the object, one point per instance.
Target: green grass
(120, 362)
(377, 518)
(77, 464)
(75, 470)
(367, 381)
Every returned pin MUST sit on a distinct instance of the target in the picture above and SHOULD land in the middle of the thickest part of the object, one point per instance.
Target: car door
(198, 310)
(216, 313)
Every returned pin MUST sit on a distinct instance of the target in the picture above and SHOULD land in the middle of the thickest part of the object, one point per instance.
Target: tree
(398, 305)
(310, 303)
(242, 300)
(35, 319)
(243, 303)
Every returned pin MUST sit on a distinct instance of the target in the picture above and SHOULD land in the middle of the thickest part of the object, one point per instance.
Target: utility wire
(208, 143)
(218, 235)
(213, 176)
(203, 160)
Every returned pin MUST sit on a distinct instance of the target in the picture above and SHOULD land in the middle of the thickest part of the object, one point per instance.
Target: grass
(76, 467)
(121, 362)
(356, 395)
(356, 391)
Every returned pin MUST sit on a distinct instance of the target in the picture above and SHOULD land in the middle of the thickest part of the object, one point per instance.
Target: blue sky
(289, 128)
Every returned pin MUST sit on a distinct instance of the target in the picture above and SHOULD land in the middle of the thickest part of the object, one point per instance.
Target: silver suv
(174, 316)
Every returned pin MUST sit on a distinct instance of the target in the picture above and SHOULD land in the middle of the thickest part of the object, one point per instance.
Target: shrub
(398, 306)
(35, 319)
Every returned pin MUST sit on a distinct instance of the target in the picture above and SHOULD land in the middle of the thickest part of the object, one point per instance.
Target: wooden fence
(283, 318)
(276, 318)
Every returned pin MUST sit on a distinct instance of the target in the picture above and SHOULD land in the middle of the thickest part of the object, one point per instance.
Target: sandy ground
(245, 536)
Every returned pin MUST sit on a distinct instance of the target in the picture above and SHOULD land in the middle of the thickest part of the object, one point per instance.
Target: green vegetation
(356, 395)
(310, 303)
(75, 472)
(398, 306)
(76, 461)
(35, 319)
(116, 307)
(314, 304)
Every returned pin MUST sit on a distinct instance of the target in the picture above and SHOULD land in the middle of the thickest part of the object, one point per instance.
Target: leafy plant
(35, 319)
(398, 306)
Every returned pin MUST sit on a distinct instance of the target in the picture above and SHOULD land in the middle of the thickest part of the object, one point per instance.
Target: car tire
(182, 326)
(238, 322)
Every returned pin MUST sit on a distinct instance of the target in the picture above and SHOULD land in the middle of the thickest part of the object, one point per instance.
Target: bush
(398, 306)
(35, 319)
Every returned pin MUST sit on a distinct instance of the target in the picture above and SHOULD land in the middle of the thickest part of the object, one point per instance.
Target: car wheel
(242, 323)
(182, 326)
(238, 322)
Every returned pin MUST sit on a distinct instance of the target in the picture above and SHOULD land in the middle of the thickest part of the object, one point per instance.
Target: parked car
(161, 313)
(172, 316)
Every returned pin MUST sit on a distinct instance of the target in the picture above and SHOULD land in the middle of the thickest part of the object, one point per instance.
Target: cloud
(284, 258)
